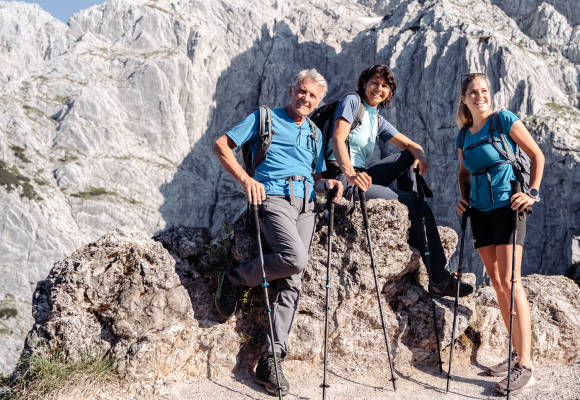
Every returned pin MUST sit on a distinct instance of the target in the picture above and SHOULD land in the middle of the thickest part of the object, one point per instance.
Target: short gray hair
(310, 74)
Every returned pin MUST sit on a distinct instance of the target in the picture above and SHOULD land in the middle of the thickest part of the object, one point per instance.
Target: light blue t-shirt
(290, 153)
(362, 139)
(483, 156)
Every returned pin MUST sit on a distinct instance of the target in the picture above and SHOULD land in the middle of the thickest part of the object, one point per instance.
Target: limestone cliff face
(107, 122)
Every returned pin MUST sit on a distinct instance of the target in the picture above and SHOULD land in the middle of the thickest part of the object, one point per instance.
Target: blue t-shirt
(483, 156)
(290, 153)
(362, 139)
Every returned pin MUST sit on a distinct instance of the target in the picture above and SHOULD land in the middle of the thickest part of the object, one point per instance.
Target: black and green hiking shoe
(266, 374)
(448, 288)
(227, 297)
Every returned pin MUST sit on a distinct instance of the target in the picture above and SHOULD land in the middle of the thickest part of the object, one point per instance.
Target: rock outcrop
(106, 121)
(154, 311)
(554, 304)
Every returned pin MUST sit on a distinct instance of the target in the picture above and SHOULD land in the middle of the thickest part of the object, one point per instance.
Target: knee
(407, 157)
(296, 261)
(506, 284)
(497, 284)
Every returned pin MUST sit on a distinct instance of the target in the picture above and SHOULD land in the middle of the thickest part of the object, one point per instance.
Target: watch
(534, 194)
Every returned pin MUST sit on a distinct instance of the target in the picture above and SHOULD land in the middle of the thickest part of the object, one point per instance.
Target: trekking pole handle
(256, 218)
(330, 196)
(517, 188)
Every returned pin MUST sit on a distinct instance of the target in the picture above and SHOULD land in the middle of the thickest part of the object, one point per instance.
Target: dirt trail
(553, 383)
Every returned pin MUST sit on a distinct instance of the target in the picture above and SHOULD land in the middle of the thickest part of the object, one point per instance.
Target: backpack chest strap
(486, 171)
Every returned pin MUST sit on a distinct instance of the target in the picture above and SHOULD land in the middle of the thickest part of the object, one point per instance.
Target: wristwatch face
(534, 192)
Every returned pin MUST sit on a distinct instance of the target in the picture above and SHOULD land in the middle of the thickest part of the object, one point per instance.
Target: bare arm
(403, 142)
(521, 136)
(223, 150)
(341, 131)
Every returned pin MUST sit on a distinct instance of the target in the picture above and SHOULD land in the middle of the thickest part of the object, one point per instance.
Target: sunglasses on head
(471, 75)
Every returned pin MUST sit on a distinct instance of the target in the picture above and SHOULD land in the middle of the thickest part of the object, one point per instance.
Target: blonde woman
(492, 204)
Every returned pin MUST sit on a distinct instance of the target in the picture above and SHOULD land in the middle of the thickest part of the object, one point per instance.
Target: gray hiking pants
(288, 229)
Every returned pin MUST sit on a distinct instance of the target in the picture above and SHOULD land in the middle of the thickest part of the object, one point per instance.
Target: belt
(299, 178)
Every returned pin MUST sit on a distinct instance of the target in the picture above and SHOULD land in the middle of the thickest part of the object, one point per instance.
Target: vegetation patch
(46, 375)
(92, 193)
(11, 178)
(95, 192)
(35, 114)
(562, 108)
(8, 312)
(19, 152)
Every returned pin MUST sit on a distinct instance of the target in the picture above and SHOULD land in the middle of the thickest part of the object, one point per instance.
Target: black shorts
(496, 227)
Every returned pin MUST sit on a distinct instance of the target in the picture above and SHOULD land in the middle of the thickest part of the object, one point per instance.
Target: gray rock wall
(106, 122)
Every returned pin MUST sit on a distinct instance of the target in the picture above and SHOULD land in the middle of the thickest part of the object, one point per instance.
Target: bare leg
(489, 258)
(522, 335)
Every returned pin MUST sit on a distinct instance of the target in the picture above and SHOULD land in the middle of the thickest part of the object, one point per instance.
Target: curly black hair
(383, 71)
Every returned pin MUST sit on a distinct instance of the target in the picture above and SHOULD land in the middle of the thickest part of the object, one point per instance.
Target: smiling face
(304, 98)
(376, 90)
(477, 97)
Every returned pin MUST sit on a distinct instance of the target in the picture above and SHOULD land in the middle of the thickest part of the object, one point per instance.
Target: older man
(283, 183)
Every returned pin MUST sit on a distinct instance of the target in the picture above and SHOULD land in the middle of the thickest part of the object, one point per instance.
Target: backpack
(250, 160)
(519, 160)
(323, 118)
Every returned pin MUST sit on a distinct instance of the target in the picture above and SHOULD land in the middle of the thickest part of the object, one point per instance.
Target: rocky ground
(559, 382)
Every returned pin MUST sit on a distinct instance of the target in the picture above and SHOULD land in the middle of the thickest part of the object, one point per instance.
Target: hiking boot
(448, 288)
(501, 369)
(227, 297)
(521, 377)
(266, 374)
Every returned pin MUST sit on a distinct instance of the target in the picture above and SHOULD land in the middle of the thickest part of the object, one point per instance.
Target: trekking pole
(517, 189)
(330, 207)
(421, 192)
(458, 275)
(269, 310)
(363, 206)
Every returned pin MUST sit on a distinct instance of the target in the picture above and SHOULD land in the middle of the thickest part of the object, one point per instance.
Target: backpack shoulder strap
(264, 137)
(359, 112)
(462, 135)
(506, 152)
(314, 135)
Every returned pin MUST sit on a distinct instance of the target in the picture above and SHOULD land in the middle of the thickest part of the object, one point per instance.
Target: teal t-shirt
(483, 156)
(290, 153)
(362, 139)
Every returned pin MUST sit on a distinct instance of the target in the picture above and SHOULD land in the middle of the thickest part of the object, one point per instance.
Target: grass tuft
(45, 375)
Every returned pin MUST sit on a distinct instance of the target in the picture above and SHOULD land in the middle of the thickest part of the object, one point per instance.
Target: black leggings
(398, 167)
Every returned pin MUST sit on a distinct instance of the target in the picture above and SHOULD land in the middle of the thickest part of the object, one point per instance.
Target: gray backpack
(518, 159)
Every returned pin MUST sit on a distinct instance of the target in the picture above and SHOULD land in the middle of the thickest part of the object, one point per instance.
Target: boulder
(555, 311)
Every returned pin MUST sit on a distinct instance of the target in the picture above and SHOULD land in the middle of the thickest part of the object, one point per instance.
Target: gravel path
(553, 383)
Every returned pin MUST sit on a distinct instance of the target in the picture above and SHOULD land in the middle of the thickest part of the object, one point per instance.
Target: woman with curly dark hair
(357, 125)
